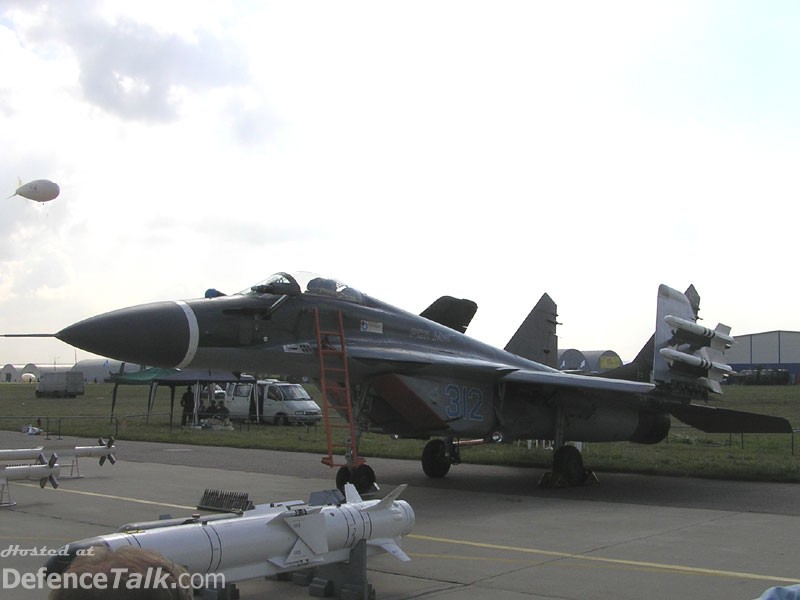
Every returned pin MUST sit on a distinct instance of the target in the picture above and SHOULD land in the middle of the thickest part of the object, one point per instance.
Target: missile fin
(388, 499)
(351, 494)
(299, 552)
(309, 528)
(390, 546)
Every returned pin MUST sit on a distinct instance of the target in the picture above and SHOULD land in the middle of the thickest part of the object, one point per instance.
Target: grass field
(686, 452)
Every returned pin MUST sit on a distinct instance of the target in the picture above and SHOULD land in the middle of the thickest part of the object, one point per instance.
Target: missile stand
(346, 581)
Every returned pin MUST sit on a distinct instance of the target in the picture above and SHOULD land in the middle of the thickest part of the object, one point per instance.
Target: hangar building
(95, 370)
(768, 350)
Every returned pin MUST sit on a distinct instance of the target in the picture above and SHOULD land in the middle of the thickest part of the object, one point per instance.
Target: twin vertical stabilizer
(688, 357)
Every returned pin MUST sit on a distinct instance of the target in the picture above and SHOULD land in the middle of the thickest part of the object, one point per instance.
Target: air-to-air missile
(270, 539)
(104, 450)
(18, 455)
(44, 470)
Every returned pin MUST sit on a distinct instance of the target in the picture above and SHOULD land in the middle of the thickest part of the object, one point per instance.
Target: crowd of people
(214, 411)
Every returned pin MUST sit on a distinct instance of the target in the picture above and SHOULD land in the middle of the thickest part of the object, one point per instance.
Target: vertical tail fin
(688, 357)
(536, 338)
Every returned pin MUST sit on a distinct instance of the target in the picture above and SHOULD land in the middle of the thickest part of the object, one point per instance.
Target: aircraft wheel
(364, 479)
(435, 461)
(568, 463)
(343, 476)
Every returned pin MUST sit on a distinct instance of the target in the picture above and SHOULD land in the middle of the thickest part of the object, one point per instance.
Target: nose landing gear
(362, 476)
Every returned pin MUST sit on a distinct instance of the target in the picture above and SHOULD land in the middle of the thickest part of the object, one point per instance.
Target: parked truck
(63, 384)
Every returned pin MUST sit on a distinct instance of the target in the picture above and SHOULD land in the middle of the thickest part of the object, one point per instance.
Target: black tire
(435, 462)
(364, 479)
(568, 463)
(281, 419)
(343, 476)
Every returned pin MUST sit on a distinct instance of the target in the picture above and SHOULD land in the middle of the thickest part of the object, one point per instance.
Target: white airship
(41, 190)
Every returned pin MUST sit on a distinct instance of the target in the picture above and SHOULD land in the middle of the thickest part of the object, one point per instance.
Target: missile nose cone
(157, 334)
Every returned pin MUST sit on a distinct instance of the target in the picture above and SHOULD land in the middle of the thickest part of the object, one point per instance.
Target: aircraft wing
(570, 380)
(432, 363)
(400, 359)
(705, 418)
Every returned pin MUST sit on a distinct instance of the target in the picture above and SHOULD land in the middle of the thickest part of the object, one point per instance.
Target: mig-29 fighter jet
(419, 376)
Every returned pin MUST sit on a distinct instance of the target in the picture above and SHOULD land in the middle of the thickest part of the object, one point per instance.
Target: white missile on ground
(268, 540)
(44, 470)
(719, 338)
(102, 451)
(20, 454)
(41, 190)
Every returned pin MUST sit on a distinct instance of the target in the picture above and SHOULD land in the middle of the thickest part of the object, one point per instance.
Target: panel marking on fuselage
(371, 326)
(465, 402)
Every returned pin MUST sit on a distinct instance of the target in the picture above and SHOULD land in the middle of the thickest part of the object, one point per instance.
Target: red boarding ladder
(337, 407)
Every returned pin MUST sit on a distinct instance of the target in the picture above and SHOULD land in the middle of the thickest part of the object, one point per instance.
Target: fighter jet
(420, 376)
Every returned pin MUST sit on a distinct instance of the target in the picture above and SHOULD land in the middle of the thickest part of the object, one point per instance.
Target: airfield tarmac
(480, 532)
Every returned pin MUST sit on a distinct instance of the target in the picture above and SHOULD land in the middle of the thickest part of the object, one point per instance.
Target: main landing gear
(438, 455)
(568, 469)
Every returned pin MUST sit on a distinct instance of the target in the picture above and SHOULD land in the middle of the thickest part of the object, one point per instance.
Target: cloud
(131, 69)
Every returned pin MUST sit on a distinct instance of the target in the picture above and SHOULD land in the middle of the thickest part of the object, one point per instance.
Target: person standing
(187, 402)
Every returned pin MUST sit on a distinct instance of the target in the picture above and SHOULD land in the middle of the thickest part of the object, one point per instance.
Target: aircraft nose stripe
(194, 334)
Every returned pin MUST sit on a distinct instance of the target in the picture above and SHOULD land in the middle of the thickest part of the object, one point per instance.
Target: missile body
(719, 338)
(277, 539)
(20, 454)
(694, 361)
(44, 471)
(103, 451)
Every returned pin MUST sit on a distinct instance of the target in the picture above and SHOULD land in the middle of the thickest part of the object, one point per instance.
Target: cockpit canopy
(304, 282)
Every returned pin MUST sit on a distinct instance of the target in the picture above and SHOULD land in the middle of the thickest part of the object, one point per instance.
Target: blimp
(41, 190)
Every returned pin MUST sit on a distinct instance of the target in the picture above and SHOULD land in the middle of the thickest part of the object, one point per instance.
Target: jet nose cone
(157, 334)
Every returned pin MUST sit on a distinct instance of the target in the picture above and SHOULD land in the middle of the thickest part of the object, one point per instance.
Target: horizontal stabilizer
(724, 420)
(390, 546)
(455, 313)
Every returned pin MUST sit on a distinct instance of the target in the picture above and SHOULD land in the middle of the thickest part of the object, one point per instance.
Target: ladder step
(336, 396)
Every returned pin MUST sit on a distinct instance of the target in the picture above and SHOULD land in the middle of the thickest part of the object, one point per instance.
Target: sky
(485, 150)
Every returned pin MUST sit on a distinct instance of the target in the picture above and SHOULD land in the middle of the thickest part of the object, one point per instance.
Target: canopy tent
(172, 378)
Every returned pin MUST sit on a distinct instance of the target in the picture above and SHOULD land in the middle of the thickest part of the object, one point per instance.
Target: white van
(271, 401)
